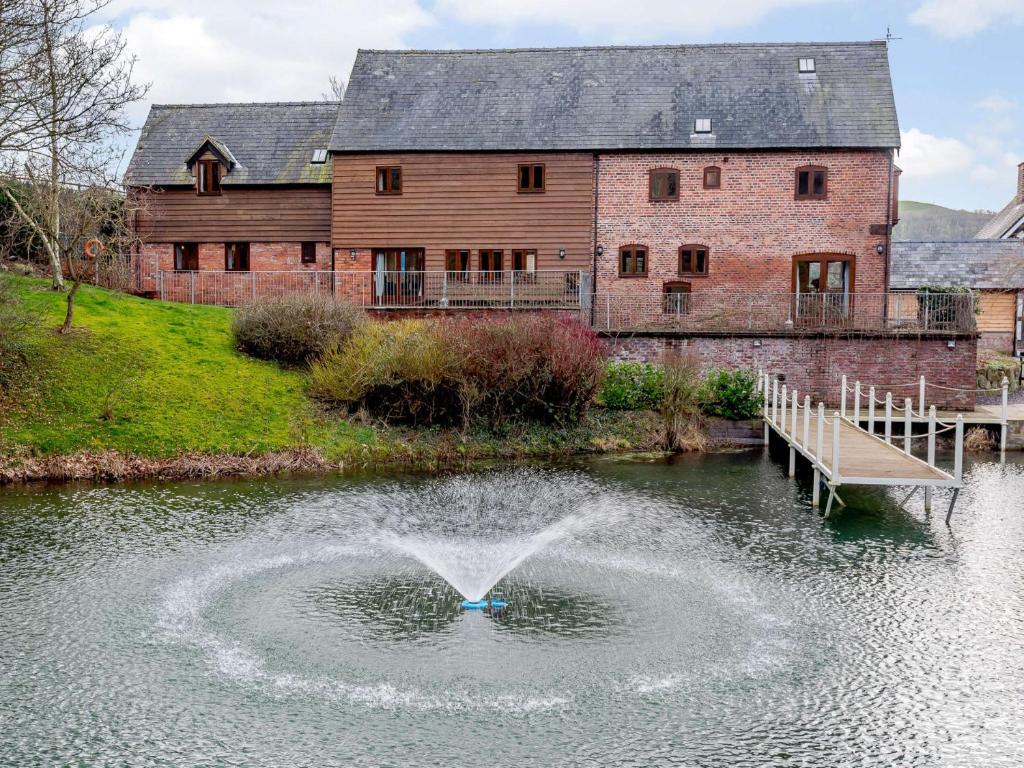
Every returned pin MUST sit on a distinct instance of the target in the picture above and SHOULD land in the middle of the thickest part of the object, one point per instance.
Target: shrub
(295, 328)
(632, 387)
(526, 367)
(680, 407)
(400, 371)
(16, 323)
(731, 395)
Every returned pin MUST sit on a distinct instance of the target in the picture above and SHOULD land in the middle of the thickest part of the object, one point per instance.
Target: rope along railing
(793, 418)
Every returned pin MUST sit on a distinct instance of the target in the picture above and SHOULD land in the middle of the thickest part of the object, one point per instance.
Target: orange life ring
(93, 248)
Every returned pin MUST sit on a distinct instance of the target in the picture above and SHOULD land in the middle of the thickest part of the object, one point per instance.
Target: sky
(956, 64)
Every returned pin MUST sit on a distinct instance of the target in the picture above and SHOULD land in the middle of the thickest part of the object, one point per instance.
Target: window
(806, 65)
(693, 260)
(531, 178)
(664, 184)
(524, 264)
(309, 253)
(208, 177)
(633, 261)
(490, 265)
(186, 257)
(712, 177)
(456, 263)
(811, 183)
(236, 257)
(676, 298)
(702, 125)
(389, 179)
(319, 156)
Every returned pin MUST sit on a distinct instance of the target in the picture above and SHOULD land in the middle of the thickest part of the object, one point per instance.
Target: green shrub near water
(295, 328)
(731, 394)
(632, 386)
(16, 323)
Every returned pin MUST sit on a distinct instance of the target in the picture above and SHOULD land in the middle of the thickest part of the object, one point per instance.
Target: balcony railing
(541, 289)
(728, 312)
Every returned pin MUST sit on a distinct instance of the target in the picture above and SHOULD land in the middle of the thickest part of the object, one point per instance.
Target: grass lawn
(159, 380)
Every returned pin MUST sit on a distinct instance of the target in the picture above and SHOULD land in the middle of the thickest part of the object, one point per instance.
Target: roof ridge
(958, 242)
(661, 46)
(200, 105)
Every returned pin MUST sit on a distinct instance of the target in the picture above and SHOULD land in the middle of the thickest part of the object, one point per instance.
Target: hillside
(925, 221)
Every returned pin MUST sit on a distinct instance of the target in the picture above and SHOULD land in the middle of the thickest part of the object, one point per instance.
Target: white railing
(738, 312)
(540, 289)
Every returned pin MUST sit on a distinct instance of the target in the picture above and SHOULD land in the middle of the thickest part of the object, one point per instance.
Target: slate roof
(619, 98)
(272, 143)
(1005, 223)
(982, 264)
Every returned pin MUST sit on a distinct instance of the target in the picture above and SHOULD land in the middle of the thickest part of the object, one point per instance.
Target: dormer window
(208, 177)
(702, 125)
(806, 66)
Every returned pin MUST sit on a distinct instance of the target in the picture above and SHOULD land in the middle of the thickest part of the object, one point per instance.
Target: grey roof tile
(272, 143)
(1004, 223)
(983, 264)
(619, 98)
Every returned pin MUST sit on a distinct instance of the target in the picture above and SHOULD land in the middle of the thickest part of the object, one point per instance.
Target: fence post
(907, 429)
(765, 412)
(793, 417)
(192, 287)
(1005, 414)
(920, 393)
(871, 410)
(253, 274)
(819, 449)
(931, 456)
(792, 435)
(512, 289)
(958, 456)
(160, 284)
(888, 417)
(836, 426)
(842, 401)
(856, 403)
(783, 394)
(807, 422)
(775, 401)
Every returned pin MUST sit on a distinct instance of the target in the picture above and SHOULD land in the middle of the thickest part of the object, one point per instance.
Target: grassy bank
(162, 385)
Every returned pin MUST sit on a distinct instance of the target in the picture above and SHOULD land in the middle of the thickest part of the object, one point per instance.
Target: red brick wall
(752, 224)
(155, 257)
(814, 365)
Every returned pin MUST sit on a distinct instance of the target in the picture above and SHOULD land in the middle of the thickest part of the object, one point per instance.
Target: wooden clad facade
(251, 214)
(467, 201)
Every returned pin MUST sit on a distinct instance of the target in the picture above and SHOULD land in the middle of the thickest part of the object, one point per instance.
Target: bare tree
(80, 80)
(336, 89)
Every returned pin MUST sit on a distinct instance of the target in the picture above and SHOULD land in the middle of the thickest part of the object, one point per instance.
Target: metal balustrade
(540, 289)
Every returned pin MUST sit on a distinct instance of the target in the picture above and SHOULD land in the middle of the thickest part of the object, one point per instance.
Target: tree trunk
(54, 136)
(70, 316)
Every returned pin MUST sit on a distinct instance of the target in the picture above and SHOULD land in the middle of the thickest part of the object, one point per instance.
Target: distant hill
(924, 221)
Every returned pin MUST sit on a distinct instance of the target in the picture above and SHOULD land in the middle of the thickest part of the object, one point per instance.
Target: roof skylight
(702, 125)
(806, 65)
(319, 156)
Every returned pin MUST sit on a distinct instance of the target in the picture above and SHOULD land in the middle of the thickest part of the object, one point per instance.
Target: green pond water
(686, 613)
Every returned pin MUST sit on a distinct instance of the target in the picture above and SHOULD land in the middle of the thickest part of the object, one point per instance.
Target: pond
(694, 612)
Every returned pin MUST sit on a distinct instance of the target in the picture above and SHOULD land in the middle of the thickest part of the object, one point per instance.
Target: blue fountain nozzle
(479, 605)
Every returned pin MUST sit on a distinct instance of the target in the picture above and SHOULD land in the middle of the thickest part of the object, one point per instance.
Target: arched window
(811, 182)
(712, 177)
(676, 297)
(633, 261)
(693, 260)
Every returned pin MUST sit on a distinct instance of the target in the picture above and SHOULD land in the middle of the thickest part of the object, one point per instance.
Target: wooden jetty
(842, 452)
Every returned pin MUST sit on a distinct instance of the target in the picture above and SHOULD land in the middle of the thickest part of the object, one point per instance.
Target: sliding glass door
(398, 276)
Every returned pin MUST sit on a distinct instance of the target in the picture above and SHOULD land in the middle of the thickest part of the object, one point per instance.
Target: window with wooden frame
(456, 264)
(693, 260)
(712, 177)
(633, 261)
(811, 182)
(490, 265)
(531, 177)
(389, 180)
(236, 257)
(186, 257)
(524, 264)
(664, 184)
(309, 253)
(208, 177)
(676, 297)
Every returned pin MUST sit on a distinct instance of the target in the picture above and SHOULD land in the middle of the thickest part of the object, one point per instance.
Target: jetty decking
(842, 452)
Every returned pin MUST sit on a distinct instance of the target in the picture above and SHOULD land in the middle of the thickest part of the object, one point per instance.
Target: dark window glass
(457, 265)
(208, 177)
(236, 257)
(633, 260)
(309, 253)
(677, 298)
(712, 177)
(811, 183)
(186, 257)
(490, 265)
(531, 178)
(389, 180)
(693, 260)
(664, 184)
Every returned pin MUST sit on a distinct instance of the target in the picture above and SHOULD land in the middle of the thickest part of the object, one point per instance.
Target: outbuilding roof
(981, 264)
(271, 143)
(610, 98)
(1005, 223)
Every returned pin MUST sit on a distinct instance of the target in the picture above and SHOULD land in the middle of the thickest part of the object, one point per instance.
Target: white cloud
(927, 156)
(618, 21)
(963, 18)
(997, 104)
